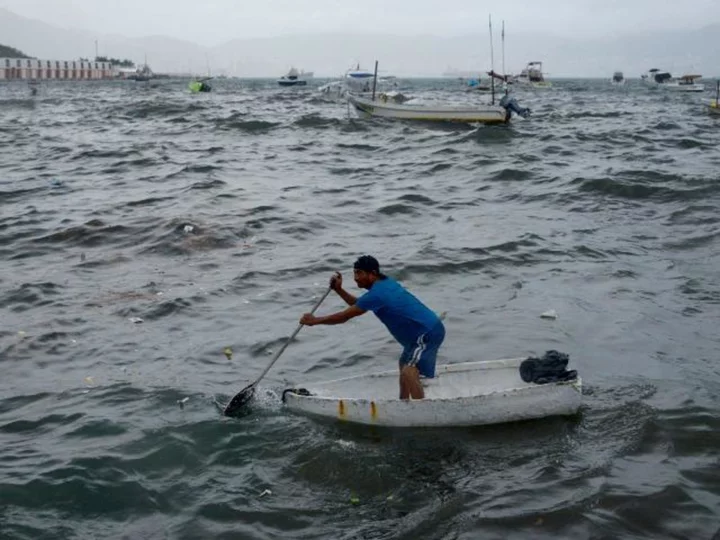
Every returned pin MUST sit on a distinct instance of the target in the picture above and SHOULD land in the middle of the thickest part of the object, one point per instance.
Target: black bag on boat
(552, 367)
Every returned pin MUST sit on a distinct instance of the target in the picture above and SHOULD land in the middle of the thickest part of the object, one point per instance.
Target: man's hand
(308, 319)
(336, 282)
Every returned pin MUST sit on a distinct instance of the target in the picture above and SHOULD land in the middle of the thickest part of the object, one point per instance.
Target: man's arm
(336, 285)
(336, 318)
(349, 298)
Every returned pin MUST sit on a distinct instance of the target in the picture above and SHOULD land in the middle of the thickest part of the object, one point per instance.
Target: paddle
(242, 398)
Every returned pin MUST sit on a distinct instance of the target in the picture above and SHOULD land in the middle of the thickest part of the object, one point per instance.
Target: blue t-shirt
(404, 315)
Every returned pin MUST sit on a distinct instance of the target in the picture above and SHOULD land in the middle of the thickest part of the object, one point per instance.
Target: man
(418, 329)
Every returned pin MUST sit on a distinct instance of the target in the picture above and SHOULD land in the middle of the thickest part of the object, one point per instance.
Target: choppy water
(603, 206)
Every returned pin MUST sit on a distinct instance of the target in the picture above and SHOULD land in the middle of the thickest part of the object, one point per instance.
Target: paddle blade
(238, 404)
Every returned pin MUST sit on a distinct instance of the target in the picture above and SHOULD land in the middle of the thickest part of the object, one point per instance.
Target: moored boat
(382, 106)
(686, 83)
(199, 85)
(533, 76)
(618, 78)
(465, 394)
(295, 78)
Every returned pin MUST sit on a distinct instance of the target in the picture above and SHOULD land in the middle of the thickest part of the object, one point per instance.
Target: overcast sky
(211, 22)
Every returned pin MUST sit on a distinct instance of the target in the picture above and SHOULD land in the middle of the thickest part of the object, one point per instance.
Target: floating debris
(550, 314)
(135, 320)
(354, 500)
(182, 402)
(21, 334)
(187, 229)
(228, 353)
(89, 381)
(266, 492)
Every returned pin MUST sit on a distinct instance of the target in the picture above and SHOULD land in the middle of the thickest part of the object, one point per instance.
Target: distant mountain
(49, 42)
(678, 51)
(9, 52)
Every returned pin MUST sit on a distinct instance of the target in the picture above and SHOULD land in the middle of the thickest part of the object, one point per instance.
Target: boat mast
(492, 63)
(503, 54)
(374, 80)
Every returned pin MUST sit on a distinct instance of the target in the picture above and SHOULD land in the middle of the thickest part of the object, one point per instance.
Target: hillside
(9, 52)
(330, 54)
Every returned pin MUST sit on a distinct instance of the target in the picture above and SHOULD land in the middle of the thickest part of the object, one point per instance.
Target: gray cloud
(212, 22)
(419, 38)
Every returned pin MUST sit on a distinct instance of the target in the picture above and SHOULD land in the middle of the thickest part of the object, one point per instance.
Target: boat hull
(468, 394)
(292, 83)
(684, 87)
(489, 114)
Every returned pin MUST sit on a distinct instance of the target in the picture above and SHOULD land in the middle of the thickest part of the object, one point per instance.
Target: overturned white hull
(487, 114)
(467, 394)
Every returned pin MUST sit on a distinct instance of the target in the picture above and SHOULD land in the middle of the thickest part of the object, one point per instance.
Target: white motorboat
(686, 83)
(465, 394)
(533, 76)
(664, 79)
(295, 78)
(655, 77)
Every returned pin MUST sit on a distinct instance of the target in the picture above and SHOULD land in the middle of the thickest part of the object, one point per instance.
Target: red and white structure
(34, 69)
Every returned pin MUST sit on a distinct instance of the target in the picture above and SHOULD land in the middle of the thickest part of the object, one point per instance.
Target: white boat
(295, 78)
(618, 79)
(340, 89)
(382, 106)
(466, 394)
(533, 76)
(359, 80)
(656, 77)
(664, 79)
(686, 83)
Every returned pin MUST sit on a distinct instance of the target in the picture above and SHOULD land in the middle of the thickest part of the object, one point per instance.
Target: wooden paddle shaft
(282, 350)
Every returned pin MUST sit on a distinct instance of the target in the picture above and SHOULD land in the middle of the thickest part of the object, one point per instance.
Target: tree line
(11, 52)
(116, 61)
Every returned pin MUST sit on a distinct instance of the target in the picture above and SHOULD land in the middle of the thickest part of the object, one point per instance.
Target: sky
(213, 22)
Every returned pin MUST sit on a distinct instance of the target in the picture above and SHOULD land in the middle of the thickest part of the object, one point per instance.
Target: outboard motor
(511, 105)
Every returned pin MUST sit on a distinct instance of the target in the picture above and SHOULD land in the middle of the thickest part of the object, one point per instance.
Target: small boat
(199, 86)
(656, 77)
(385, 107)
(465, 394)
(295, 78)
(141, 74)
(359, 80)
(339, 89)
(686, 83)
(476, 85)
(618, 78)
(664, 79)
(533, 76)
